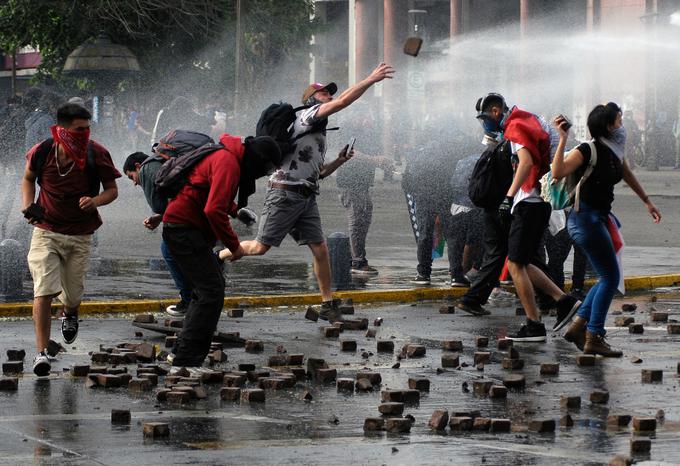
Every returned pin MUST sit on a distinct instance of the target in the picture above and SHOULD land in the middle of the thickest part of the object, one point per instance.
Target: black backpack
(43, 151)
(173, 174)
(492, 176)
(277, 121)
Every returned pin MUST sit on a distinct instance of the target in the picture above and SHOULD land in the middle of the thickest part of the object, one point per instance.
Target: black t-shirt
(598, 189)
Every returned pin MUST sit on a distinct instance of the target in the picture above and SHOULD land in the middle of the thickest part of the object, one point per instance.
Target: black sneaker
(531, 331)
(41, 364)
(546, 304)
(69, 328)
(578, 293)
(474, 309)
(330, 311)
(461, 281)
(421, 280)
(566, 308)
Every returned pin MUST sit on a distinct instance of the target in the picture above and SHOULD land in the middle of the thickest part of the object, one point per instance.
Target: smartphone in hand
(566, 124)
(351, 145)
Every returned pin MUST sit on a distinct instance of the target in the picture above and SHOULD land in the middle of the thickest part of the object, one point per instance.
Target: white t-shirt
(522, 196)
(303, 165)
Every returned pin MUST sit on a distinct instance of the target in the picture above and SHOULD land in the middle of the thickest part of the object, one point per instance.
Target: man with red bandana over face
(65, 216)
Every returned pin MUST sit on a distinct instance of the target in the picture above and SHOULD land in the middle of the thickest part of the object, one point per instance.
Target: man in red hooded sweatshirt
(198, 216)
(526, 212)
(69, 169)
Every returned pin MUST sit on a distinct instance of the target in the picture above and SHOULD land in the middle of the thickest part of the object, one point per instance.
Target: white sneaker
(192, 371)
(41, 364)
(500, 298)
(199, 371)
(178, 310)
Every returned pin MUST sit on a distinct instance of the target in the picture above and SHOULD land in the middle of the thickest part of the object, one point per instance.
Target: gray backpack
(173, 175)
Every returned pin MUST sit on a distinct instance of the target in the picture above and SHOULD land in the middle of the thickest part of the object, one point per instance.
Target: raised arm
(345, 99)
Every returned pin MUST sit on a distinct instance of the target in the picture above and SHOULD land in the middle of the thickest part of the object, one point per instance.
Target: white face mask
(616, 141)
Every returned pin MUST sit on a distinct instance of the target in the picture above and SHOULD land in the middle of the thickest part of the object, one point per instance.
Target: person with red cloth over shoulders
(198, 216)
(526, 213)
(69, 168)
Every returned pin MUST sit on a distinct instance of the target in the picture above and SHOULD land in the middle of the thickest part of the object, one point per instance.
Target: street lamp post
(237, 59)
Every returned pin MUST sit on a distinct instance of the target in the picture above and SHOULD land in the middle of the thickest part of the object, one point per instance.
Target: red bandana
(74, 144)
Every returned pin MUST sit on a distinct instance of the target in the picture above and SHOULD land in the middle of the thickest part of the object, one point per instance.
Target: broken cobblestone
(452, 345)
(391, 409)
(636, 328)
(619, 420)
(420, 384)
(439, 420)
(542, 426)
(450, 360)
(599, 396)
(512, 364)
(644, 424)
(156, 429)
(252, 395)
(372, 424)
(230, 393)
(652, 376)
(348, 345)
(461, 424)
(345, 385)
(514, 381)
(550, 368)
(570, 402)
(385, 346)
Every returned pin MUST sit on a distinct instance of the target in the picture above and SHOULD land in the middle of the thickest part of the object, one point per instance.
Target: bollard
(341, 260)
(11, 268)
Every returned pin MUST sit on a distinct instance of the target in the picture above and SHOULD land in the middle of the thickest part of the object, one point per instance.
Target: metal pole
(352, 56)
(14, 73)
(237, 61)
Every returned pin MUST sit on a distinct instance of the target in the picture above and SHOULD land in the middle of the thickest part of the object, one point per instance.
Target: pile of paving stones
(113, 367)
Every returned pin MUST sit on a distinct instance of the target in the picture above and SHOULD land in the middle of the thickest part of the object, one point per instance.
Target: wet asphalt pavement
(60, 421)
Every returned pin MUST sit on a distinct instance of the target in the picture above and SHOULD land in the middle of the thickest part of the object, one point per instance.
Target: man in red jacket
(197, 217)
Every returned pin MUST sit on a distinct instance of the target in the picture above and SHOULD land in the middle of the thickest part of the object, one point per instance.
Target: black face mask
(261, 157)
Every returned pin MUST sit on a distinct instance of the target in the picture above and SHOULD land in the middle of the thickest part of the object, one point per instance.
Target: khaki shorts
(58, 264)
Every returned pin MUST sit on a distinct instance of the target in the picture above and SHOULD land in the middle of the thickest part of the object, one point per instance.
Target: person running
(591, 223)
(518, 225)
(290, 202)
(69, 169)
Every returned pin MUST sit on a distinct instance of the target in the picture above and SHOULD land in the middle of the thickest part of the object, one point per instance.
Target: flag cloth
(614, 229)
(524, 128)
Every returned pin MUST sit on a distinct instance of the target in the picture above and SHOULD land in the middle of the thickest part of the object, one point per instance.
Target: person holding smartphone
(290, 202)
(355, 181)
(591, 223)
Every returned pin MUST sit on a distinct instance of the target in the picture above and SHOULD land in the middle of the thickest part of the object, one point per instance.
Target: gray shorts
(289, 212)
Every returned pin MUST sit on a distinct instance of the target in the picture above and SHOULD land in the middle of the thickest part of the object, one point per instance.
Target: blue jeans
(176, 274)
(588, 229)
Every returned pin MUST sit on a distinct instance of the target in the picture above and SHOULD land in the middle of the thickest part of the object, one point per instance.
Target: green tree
(182, 45)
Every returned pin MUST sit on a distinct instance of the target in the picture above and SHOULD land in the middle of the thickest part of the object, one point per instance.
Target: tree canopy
(193, 39)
